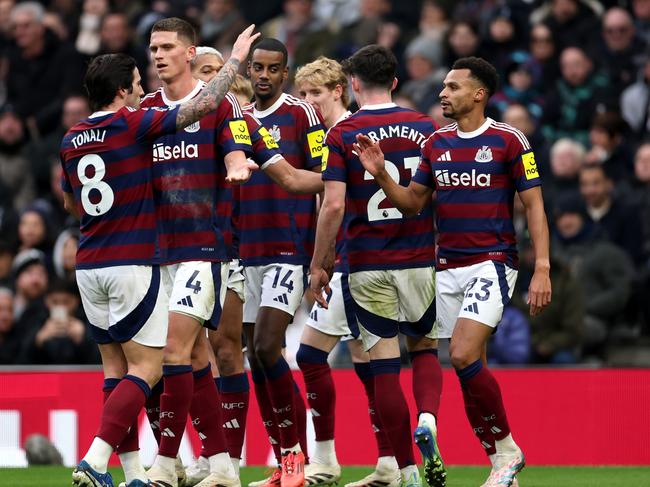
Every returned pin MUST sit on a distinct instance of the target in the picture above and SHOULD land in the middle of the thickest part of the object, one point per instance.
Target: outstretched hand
(370, 154)
(240, 173)
(243, 44)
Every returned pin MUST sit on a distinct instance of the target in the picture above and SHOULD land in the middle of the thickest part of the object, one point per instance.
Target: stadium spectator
(30, 283)
(556, 332)
(423, 65)
(511, 342)
(573, 22)
(567, 158)
(620, 52)
(616, 219)
(500, 39)
(641, 11)
(221, 23)
(575, 97)
(602, 268)
(609, 146)
(7, 254)
(372, 18)
(90, 22)
(434, 21)
(34, 231)
(520, 85)
(41, 70)
(635, 103)
(15, 174)
(305, 36)
(462, 41)
(62, 337)
(64, 254)
(542, 48)
(116, 36)
(44, 152)
(10, 339)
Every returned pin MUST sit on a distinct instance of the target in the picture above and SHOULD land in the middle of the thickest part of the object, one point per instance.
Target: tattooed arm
(214, 92)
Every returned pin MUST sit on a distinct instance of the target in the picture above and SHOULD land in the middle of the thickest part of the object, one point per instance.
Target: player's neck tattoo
(209, 97)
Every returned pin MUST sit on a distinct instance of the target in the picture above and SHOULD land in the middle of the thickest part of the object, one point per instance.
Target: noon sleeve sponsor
(239, 132)
(530, 165)
(315, 142)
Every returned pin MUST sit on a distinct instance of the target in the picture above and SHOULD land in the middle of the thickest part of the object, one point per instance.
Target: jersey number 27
(390, 213)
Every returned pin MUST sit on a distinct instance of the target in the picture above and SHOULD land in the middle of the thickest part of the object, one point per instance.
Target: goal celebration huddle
(211, 207)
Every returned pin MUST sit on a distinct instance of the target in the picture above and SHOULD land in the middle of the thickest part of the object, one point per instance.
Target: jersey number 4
(103, 194)
(390, 213)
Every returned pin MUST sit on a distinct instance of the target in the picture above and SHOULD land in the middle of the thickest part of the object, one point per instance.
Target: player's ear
(394, 85)
(191, 53)
(479, 95)
(285, 74)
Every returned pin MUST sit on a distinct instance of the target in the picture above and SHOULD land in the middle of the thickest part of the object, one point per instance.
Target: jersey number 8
(106, 195)
(390, 213)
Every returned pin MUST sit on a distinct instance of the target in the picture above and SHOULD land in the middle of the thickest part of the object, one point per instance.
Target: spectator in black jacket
(41, 70)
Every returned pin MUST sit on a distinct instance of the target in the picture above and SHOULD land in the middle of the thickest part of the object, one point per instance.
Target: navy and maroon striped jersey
(476, 175)
(107, 166)
(274, 225)
(378, 236)
(193, 200)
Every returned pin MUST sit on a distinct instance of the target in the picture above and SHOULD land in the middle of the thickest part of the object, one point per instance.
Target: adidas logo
(202, 436)
(168, 433)
(155, 425)
(446, 157)
(282, 298)
(472, 308)
(285, 424)
(315, 413)
(495, 430)
(186, 302)
(233, 424)
(272, 440)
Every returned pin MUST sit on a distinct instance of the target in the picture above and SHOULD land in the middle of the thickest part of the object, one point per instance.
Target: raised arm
(539, 291)
(409, 200)
(214, 92)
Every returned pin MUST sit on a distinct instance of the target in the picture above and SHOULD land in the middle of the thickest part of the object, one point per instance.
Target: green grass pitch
(457, 477)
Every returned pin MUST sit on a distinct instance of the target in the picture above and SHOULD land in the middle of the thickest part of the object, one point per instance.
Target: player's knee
(459, 357)
(267, 352)
(176, 352)
(226, 358)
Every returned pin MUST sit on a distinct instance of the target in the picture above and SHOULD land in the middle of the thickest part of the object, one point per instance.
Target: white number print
(107, 197)
(374, 212)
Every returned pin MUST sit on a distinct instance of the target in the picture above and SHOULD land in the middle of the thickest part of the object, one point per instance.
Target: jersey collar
(271, 109)
(477, 132)
(378, 106)
(188, 97)
(101, 114)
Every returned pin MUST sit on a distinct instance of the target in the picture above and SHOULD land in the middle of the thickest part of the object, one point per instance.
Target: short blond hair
(324, 72)
(242, 86)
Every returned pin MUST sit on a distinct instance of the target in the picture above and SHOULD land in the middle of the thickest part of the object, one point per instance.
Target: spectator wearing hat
(604, 270)
(423, 65)
(15, 172)
(61, 337)
(522, 76)
(30, 283)
(635, 103)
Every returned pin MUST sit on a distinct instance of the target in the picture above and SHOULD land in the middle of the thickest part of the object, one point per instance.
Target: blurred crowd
(575, 78)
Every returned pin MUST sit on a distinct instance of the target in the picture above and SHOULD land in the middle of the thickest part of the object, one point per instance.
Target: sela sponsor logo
(484, 154)
(239, 132)
(447, 179)
(162, 152)
(233, 405)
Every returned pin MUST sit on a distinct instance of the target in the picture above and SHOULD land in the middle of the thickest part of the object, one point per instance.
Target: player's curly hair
(106, 74)
(481, 70)
(324, 72)
(374, 65)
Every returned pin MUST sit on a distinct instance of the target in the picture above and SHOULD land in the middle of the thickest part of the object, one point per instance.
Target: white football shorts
(478, 292)
(236, 279)
(193, 287)
(125, 303)
(394, 301)
(279, 286)
(336, 319)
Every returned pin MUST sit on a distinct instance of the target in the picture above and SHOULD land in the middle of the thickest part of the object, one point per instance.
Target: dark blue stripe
(186, 253)
(454, 142)
(423, 325)
(258, 376)
(281, 205)
(303, 260)
(132, 237)
(234, 383)
(363, 370)
(275, 234)
(213, 322)
(385, 366)
(169, 370)
(192, 225)
(492, 225)
(470, 371)
(456, 252)
(377, 325)
(133, 208)
(99, 335)
(503, 282)
(201, 372)
(415, 241)
(276, 370)
(110, 384)
(144, 387)
(349, 306)
(125, 329)
(449, 196)
(311, 355)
